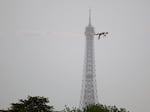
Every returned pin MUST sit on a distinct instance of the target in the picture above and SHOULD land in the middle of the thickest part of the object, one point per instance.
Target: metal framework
(89, 88)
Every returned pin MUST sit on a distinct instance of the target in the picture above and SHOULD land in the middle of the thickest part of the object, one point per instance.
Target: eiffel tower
(89, 89)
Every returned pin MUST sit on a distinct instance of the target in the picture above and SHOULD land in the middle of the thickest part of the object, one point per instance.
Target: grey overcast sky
(42, 47)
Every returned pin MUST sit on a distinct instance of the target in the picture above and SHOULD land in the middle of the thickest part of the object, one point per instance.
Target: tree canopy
(31, 104)
(96, 108)
(103, 108)
(39, 104)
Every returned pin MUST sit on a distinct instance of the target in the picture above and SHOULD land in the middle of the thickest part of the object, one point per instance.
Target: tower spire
(89, 17)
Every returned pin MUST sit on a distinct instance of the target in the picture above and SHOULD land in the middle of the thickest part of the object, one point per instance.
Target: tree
(31, 104)
(103, 108)
(74, 109)
(96, 108)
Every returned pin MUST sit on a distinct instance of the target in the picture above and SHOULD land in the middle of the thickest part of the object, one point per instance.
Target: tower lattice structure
(89, 88)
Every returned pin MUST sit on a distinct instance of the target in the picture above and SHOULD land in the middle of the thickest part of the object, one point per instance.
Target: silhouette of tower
(89, 89)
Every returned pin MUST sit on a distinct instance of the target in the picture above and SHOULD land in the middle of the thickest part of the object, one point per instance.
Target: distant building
(89, 89)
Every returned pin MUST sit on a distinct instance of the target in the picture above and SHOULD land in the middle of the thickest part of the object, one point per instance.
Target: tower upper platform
(89, 31)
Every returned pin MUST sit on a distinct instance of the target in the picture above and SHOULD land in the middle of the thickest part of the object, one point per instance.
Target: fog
(42, 45)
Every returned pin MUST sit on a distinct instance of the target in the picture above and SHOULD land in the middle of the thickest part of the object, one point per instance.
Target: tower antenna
(90, 17)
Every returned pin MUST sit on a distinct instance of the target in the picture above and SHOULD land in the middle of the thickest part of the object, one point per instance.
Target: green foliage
(31, 104)
(39, 104)
(96, 108)
(103, 108)
(74, 109)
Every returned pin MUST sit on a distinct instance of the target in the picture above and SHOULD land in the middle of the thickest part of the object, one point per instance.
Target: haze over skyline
(42, 45)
